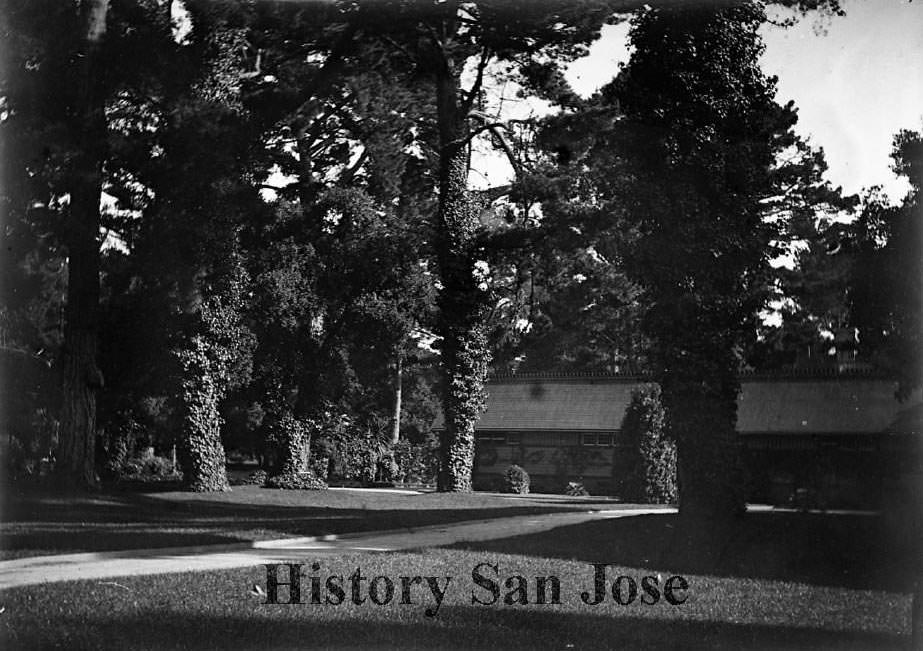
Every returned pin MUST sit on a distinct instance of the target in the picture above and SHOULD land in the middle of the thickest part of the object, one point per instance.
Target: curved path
(96, 565)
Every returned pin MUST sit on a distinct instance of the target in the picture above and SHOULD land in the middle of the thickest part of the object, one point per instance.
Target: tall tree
(185, 160)
(342, 249)
(82, 377)
(439, 40)
(886, 284)
(66, 62)
(583, 310)
(700, 137)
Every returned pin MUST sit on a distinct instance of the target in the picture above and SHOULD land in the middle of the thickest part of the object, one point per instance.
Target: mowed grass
(771, 580)
(221, 609)
(862, 552)
(37, 523)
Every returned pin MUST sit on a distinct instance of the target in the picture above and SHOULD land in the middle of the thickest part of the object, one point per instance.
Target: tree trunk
(295, 448)
(398, 386)
(81, 377)
(703, 423)
(204, 462)
(462, 303)
(205, 469)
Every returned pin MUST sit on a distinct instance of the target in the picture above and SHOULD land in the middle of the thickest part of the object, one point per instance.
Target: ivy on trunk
(462, 303)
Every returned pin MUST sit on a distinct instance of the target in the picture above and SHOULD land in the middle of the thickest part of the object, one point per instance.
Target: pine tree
(437, 41)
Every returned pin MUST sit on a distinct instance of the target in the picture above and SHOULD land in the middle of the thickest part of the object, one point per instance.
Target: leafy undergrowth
(222, 609)
(37, 524)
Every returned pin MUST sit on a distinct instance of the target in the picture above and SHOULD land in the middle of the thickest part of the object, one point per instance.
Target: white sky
(856, 81)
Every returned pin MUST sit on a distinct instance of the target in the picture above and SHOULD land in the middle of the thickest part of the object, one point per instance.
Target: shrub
(416, 463)
(256, 478)
(130, 468)
(158, 467)
(517, 480)
(123, 447)
(130, 456)
(352, 452)
(145, 468)
(576, 489)
(646, 470)
(300, 481)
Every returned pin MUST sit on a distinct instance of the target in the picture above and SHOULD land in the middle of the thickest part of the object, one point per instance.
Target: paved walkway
(98, 565)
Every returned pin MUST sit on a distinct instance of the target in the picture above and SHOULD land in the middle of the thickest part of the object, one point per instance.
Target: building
(832, 434)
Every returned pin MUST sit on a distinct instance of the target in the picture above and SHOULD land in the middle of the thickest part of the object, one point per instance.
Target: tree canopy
(288, 228)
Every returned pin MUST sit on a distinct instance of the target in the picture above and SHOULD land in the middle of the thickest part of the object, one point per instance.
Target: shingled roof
(821, 406)
(832, 404)
(557, 404)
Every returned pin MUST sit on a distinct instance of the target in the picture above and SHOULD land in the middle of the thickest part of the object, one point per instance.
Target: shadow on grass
(458, 627)
(851, 551)
(38, 523)
(63, 540)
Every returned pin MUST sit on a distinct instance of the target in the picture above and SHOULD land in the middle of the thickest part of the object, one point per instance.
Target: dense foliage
(645, 468)
(886, 282)
(516, 480)
(290, 263)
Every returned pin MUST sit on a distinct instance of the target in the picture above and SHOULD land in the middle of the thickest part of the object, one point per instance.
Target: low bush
(354, 453)
(301, 481)
(255, 478)
(415, 463)
(576, 489)
(127, 454)
(151, 468)
(516, 480)
(158, 467)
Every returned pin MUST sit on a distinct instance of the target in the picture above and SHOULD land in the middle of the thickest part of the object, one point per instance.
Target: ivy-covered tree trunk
(293, 438)
(217, 359)
(81, 376)
(462, 303)
(204, 463)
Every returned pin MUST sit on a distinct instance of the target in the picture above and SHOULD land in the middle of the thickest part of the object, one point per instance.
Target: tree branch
(494, 128)
(351, 172)
(478, 82)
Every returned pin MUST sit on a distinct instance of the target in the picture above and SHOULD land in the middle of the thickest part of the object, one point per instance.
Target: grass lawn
(37, 523)
(779, 580)
(220, 610)
(844, 551)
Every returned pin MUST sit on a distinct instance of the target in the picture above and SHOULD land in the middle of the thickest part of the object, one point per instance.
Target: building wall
(821, 433)
(832, 472)
(815, 471)
(552, 459)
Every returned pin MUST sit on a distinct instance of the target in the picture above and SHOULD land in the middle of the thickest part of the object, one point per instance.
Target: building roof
(820, 406)
(556, 405)
(831, 404)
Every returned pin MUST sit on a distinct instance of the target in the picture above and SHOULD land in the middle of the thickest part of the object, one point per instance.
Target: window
(500, 438)
(597, 440)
